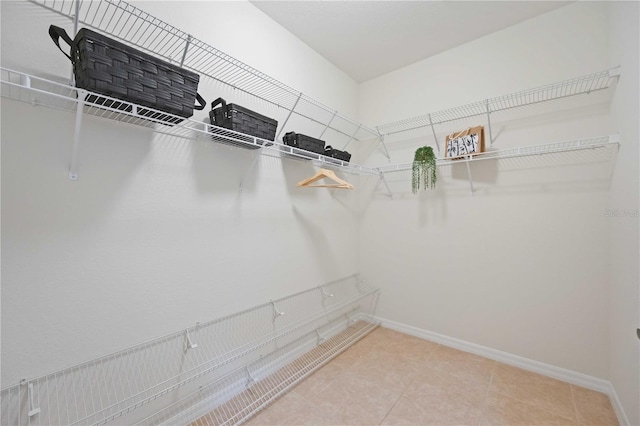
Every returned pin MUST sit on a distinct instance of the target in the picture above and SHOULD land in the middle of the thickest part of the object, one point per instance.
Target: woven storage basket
(240, 119)
(307, 143)
(336, 153)
(108, 67)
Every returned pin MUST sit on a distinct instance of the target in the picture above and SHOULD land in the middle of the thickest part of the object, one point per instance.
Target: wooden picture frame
(464, 143)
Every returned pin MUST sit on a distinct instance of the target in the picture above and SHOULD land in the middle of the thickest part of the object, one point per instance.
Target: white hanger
(328, 174)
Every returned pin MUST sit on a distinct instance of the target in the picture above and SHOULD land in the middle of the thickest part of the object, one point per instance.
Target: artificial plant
(424, 169)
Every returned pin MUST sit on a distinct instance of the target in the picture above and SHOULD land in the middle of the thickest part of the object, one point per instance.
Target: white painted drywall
(624, 276)
(522, 265)
(155, 235)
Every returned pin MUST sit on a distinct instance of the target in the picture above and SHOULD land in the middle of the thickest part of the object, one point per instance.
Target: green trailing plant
(424, 169)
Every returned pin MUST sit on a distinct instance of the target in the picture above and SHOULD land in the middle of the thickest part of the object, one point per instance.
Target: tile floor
(390, 378)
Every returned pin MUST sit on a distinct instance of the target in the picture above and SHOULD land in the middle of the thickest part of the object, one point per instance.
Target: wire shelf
(573, 145)
(38, 91)
(133, 26)
(563, 89)
(256, 387)
(105, 389)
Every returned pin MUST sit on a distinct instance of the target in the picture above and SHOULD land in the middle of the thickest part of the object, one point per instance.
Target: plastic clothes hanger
(325, 174)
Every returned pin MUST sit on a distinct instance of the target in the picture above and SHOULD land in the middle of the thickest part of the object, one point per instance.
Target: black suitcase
(108, 67)
(298, 140)
(240, 119)
(336, 153)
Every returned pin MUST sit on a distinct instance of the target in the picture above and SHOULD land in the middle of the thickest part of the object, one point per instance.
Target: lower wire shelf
(239, 396)
(225, 357)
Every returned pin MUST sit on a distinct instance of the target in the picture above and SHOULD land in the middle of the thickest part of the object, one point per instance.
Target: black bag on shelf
(336, 153)
(240, 119)
(298, 140)
(108, 67)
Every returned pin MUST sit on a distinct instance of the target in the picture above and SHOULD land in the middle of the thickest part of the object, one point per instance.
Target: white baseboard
(617, 406)
(548, 370)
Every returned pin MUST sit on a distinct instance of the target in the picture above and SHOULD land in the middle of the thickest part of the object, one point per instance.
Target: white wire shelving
(600, 142)
(39, 91)
(282, 370)
(228, 356)
(136, 27)
(573, 87)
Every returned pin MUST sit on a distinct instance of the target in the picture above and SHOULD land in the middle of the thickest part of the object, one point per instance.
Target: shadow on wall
(368, 148)
(218, 167)
(561, 172)
(324, 254)
(108, 156)
(487, 172)
(294, 171)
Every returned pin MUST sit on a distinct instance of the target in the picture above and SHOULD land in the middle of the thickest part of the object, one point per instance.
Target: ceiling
(366, 39)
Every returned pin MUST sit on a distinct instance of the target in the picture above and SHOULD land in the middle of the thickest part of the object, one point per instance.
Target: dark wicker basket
(300, 141)
(336, 153)
(108, 67)
(240, 119)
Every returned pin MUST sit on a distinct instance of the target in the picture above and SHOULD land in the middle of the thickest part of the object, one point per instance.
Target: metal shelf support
(328, 124)
(486, 102)
(469, 173)
(189, 342)
(33, 410)
(386, 185)
(384, 146)
(289, 116)
(73, 169)
(352, 137)
(433, 130)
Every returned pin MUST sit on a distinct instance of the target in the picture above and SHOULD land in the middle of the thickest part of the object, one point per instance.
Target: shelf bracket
(350, 319)
(433, 130)
(467, 161)
(189, 342)
(352, 137)
(384, 146)
(186, 48)
(324, 294)
(33, 410)
(328, 124)
(289, 116)
(615, 138)
(276, 312)
(486, 103)
(386, 185)
(73, 169)
(250, 379)
(75, 17)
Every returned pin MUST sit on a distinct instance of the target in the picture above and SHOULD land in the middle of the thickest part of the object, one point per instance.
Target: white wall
(624, 231)
(522, 265)
(155, 235)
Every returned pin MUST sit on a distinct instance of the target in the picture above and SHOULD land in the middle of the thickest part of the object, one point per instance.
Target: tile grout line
(530, 404)
(575, 405)
(407, 387)
(486, 396)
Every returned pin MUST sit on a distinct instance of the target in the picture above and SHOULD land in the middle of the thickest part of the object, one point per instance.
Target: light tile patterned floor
(391, 378)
